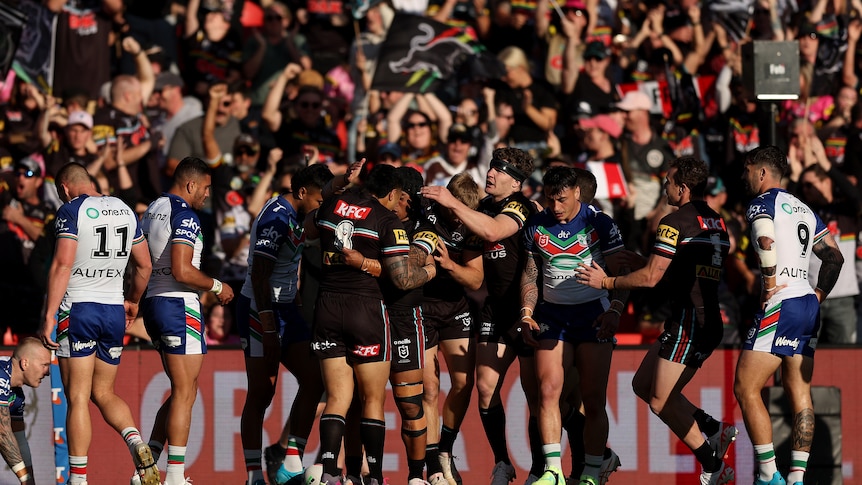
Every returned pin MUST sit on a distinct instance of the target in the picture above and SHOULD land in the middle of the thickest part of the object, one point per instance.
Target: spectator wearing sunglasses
(302, 133)
(25, 248)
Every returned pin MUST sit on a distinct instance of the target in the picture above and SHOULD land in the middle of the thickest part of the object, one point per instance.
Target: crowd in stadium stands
(299, 76)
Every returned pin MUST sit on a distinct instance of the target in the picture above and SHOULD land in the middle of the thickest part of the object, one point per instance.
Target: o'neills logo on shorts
(76, 346)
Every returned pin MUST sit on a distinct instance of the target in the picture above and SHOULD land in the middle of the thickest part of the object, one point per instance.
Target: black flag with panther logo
(419, 52)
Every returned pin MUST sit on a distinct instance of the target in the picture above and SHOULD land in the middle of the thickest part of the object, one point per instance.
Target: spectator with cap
(390, 154)
(440, 170)
(178, 110)
(212, 52)
(600, 134)
(646, 157)
(593, 86)
(26, 245)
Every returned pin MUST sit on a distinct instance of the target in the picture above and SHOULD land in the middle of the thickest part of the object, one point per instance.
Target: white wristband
(217, 287)
(24, 478)
(18, 467)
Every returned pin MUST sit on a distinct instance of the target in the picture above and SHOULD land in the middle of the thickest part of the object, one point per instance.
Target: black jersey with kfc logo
(356, 220)
(457, 240)
(695, 239)
(504, 261)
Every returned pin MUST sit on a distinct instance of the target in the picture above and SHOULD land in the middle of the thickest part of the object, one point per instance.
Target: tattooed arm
(529, 298)
(9, 445)
(827, 250)
(410, 272)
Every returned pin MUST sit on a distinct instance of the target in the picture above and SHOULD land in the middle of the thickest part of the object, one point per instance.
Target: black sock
(331, 432)
(538, 466)
(706, 423)
(373, 433)
(353, 464)
(447, 439)
(706, 456)
(414, 469)
(432, 459)
(494, 422)
(573, 423)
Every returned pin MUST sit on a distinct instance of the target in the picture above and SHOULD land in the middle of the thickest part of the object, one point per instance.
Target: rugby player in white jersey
(172, 309)
(785, 233)
(96, 238)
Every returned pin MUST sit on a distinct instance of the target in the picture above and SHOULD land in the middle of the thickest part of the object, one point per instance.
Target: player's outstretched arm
(9, 447)
(58, 281)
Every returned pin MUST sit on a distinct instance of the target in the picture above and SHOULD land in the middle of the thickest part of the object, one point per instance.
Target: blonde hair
(465, 189)
(514, 57)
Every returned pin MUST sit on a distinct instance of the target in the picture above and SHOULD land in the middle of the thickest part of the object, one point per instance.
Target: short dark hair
(588, 184)
(771, 157)
(691, 172)
(411, 182)
(311, 177)
(515, 156)
(71, 173)
(559, 178)
(190, 168)
(381, 180)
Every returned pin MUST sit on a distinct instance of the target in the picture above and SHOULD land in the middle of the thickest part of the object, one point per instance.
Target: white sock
(766, 461)
(552, 454)
(798, 464)
(176, 472)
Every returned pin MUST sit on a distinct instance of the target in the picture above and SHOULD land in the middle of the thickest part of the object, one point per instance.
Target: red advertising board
(648, 451)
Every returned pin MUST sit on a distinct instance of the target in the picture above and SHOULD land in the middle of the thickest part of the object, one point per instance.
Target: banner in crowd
(659, 93)
(649, 452)
(12, 22)
(610, 180)
(419, 52)
(35, 54)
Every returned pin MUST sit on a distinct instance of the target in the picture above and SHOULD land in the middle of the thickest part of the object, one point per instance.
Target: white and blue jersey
(171, 220)
(11, 397)
(797, 230)
(789, 323)
(277, 234)
(105, 229)
(589, 236)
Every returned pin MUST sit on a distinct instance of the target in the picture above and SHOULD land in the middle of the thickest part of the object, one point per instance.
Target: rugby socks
(494, 422)
(132, 437)
(156, 449)
(432, 459)
(293, 454)
(353, 465)
(176, 465)
(706, 423)
(706, 456)
(77, 470)
(592, 464)
(331, 433)
(766, 461)
(252, 464)
(372, 432)
(414, 469)
(537, 468)
(447, 439)
(798, 464)
(573, 423)
(552, 454)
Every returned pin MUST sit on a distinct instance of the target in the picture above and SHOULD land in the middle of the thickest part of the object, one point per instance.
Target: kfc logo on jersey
(367, 350)
(349, 211)
(711, 223)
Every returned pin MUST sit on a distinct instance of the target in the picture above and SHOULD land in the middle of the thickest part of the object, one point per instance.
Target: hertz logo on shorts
(667, 234)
